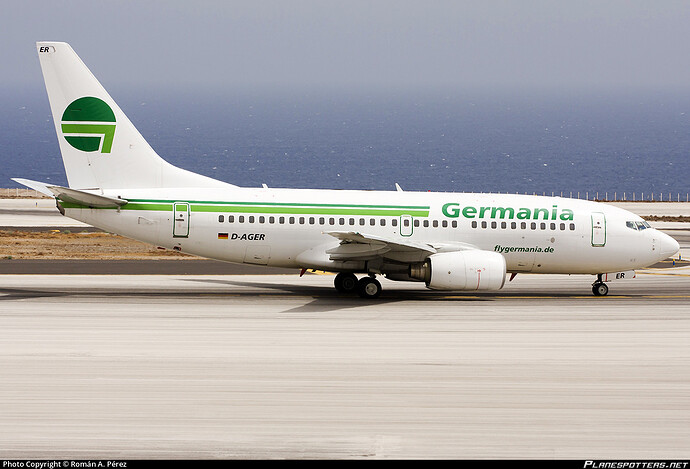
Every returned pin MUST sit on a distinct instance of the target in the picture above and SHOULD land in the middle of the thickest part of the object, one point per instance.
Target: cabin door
(180, 220)
(598, 229)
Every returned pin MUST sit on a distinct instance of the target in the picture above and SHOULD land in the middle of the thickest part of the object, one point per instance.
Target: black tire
(600, 289)
(345, 282)
(369, 288)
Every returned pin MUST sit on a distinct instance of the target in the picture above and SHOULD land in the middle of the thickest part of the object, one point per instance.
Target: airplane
(449, 241)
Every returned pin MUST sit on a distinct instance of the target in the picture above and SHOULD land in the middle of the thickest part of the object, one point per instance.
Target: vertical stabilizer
(100, 147)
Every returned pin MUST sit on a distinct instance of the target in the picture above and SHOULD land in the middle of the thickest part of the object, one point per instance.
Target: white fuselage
(289, 227)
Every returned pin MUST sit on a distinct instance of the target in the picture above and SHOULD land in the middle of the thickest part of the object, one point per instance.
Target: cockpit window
(637, 225)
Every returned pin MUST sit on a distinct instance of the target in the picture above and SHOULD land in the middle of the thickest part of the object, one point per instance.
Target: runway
(278, 366)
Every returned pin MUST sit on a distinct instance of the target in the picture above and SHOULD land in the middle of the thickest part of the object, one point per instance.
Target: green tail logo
(85, 125)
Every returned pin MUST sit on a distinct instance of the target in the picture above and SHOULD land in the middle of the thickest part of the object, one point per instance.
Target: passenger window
(361, 222)
(523, 225)
(262, 219)
(572, 227)
(474, 224)
(434, 223)
(553, 226)
(271, 220)
(281, 220)
(341, 221)
(331, 221)
(291, 220)
(426, 223)
(394, 222)
(504, 225)
(231, 218)
(221, 218)
(454, 223)
(352, 221)
(322, 221)
(406, 222)
(562, 226)
(372, 221)
(542, 226)
(483, 224)
(312, 220)
(513, 225)
(444, 223)
(493, 225)
(533, 226)
(416, 223)
(241, 219)
(383, 222)
(301, 220)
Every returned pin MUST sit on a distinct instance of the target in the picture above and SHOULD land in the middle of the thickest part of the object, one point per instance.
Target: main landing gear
(599, 288)
(366, 287)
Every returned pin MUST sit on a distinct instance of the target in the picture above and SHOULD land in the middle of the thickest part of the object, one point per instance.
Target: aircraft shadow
(325, 299)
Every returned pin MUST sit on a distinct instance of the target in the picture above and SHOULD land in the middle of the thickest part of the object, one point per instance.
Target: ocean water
(482, 142)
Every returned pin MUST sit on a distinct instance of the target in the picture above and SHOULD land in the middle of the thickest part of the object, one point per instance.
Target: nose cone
(667, 246)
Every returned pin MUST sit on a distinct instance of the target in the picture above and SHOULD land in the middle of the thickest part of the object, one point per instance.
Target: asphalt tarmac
(278, 366)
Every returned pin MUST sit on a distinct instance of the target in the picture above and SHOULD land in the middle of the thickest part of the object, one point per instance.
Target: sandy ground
(64, 244)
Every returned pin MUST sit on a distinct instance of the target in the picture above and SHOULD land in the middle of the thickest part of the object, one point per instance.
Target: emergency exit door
(406, 225)
(180, 220)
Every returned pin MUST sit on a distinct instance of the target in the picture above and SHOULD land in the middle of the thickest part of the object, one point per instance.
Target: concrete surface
(284, 367)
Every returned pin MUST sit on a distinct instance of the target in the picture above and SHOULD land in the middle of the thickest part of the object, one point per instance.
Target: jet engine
(462, 270)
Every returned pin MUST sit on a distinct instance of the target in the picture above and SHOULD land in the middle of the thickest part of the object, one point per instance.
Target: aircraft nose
(667, 246)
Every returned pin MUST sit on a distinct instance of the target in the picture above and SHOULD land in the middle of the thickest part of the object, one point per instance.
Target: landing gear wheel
(345, 282)
(368, 287)
(600, 289)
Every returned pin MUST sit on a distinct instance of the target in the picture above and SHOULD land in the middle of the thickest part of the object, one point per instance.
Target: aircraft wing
(359, 246)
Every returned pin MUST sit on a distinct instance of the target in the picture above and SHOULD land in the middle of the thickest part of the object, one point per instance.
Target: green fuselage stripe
(285, 204)
(275, 208)
(311, 210)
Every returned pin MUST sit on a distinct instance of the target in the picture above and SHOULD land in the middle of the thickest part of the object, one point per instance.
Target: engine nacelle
(462, 270)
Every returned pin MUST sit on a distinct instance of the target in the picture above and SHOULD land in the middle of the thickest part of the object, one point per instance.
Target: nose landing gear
(599, 288)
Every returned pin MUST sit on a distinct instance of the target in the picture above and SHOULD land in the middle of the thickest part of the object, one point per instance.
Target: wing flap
(354, 245)
(357, 251)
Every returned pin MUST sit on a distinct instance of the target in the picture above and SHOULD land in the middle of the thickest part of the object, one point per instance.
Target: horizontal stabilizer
(66, 194)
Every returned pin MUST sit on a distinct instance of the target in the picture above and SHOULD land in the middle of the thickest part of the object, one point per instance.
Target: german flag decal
(222, 236)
